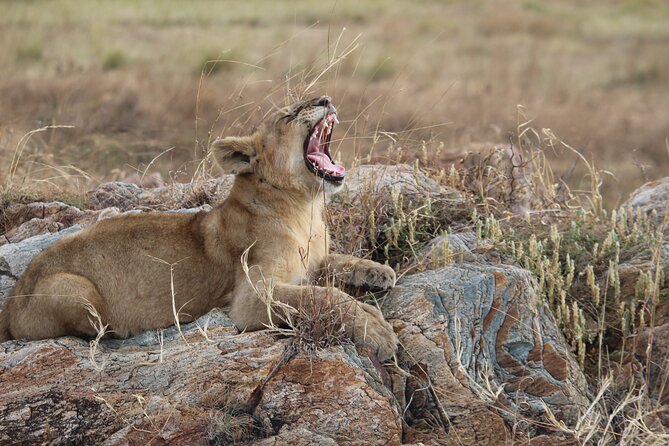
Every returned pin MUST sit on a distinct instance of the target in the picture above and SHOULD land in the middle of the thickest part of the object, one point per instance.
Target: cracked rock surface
(479, 354)
(222, 387)
(469, 332)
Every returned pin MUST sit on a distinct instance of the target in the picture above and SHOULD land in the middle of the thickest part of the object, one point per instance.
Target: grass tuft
(115, 60)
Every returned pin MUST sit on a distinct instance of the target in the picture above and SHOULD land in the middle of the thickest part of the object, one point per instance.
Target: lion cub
(123, 267)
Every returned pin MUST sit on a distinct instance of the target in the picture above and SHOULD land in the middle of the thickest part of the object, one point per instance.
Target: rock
(386, 180)
(151, 180)
(652, 197)
(335, 387)
(499, 174)
(127, 196)
(378, 203)
(65, 214)
(297, 437)
(28, 220)
(31, 228)
(659, 359)
(15, 257)
(481, 349)
(637, 273)
(212, 385)
(462, 247)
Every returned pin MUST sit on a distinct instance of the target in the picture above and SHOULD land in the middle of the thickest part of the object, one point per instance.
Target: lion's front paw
(372, 276)
(368, 328)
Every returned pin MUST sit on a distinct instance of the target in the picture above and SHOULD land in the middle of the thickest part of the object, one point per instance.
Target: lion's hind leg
(61, 304)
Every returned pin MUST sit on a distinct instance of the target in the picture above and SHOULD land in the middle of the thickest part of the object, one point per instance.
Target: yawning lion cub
(121, 266)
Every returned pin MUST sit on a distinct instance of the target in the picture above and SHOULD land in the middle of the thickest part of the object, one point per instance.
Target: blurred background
(146, 85)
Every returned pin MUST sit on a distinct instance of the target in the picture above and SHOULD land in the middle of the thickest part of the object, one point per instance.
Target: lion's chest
(299, 251)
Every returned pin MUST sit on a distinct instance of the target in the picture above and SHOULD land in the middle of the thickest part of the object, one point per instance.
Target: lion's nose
(324, 101)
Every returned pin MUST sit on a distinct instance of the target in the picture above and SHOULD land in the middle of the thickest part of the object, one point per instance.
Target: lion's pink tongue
(324, 163)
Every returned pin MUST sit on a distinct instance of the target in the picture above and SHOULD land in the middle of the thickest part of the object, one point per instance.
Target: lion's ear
(234, 153)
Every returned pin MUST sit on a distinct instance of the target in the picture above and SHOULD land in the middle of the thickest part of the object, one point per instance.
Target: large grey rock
(652, 197)
(380, 179)
(127, 196)
(211, 385)
(15, 257)
(502, 176)
(481, 349)
(463, 247)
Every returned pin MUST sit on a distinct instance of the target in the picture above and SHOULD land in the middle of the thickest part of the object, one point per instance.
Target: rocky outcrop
(501, 174)
(479, 354)
(125, 196)
(482, 353)
(211, 385)
(15, 257)
(383, 180)
(464, 247)
(651, 199)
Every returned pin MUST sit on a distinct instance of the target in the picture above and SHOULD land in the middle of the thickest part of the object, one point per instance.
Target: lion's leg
(364, 323)
(359, 273)
(60, 305)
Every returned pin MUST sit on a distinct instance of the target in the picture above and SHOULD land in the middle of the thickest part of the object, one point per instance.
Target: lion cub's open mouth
(317, 149)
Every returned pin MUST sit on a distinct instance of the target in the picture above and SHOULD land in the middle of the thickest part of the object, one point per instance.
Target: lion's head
(289, 150)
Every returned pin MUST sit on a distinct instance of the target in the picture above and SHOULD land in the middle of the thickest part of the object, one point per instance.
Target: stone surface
(15, 257)
(380, 179)
(211, 385)
(631, 273)
(480, 350)
(462, 247)
(378, 199)
(659, 359)
(127, 196)
(652, 197)
(67, 215)
(500, 174)
(479, 354)
(330, 394)
(23, 221)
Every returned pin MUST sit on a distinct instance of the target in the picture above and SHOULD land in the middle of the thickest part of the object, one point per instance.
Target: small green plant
(114, 60)
(30, 52)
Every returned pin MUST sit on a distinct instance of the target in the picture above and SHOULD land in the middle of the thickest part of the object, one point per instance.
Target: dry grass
(314, 324)
(127, 77)
(228, 424)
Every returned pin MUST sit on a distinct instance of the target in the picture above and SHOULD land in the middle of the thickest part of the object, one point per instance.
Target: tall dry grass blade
(20, 147)
(175, 311)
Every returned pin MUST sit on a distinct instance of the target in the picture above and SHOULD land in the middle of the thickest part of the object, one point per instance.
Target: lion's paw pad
(373, 276)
